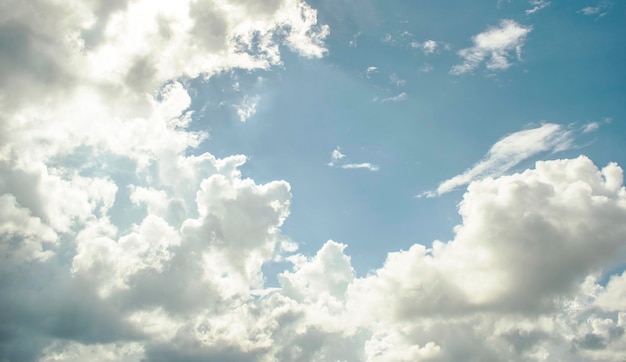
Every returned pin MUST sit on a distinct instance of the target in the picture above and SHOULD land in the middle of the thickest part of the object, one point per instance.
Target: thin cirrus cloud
(393, 99)
(600, 10)
(493, 47)
(510, 151)
(337, 160)
(537, 6)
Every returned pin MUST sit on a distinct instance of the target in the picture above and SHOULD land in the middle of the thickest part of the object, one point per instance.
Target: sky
(288, 180)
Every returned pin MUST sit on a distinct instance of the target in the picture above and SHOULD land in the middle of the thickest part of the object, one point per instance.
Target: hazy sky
(280, 180)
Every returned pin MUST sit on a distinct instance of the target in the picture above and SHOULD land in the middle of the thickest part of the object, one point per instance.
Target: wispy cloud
(600, 10)
(396, 80)
(365, 165)
(353, 42)
(388, 39)
(399, 98)
(337, 156)
(510, 151)
(537, 5)
(493, 46)
(593, 126)
(426, 68)
(590, 127)
(247, 108)
(428, 47)
(370, 70)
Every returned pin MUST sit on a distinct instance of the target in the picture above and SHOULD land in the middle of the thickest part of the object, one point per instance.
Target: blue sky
(289, 180)
(569, 73)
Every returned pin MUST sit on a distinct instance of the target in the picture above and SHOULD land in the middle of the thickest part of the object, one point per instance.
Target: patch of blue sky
(409, 115)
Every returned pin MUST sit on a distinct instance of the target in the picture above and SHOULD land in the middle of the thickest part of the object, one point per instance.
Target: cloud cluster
(336, 160)
(428, 47)
(120, 241)
(493, 46)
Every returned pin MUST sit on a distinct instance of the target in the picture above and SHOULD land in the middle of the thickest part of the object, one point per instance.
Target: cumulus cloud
(526, 248)
(121, 241)
(493, 46)
(510, 151)
(337, 160)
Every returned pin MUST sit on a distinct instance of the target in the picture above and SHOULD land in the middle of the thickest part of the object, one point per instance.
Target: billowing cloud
(114, 229)
(493, 46)
(121, 241)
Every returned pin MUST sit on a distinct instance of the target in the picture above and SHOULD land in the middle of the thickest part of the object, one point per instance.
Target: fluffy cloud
(120, 241)
(493, 46)
(526, 247)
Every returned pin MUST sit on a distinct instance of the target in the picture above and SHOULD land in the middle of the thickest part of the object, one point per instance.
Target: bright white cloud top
(153, 155)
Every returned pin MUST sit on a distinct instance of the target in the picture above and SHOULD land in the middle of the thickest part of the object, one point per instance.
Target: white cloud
(494, 46)
(121, 241)
(22, 236)
(391, 346)
(328, 273)
(589, 10)
(537, 5)
(365, 165)
(398, 98)
(247, 108)
(370, 70)
(601, 9)
(428, 47)
(590, 127)
(526, 248)
(336, 158)
(510, 151)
